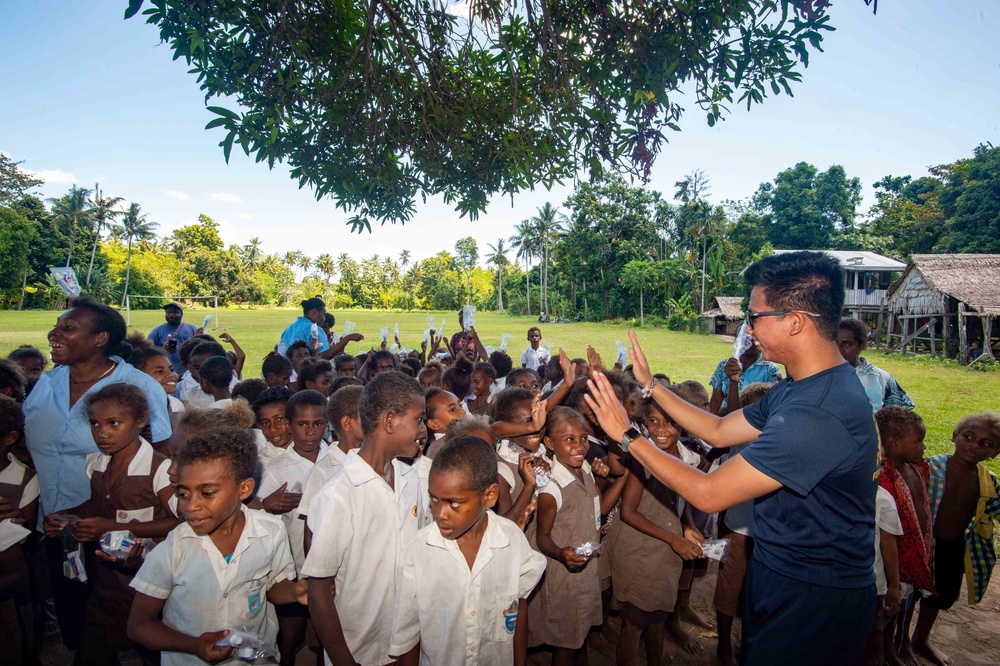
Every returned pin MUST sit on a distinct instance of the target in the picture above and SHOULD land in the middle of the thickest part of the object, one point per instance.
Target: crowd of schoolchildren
(438, 506)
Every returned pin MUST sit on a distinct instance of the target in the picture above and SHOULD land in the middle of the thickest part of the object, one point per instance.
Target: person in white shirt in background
(535, 355)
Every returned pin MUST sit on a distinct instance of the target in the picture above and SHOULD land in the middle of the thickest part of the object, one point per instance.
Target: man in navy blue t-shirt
(811, 469)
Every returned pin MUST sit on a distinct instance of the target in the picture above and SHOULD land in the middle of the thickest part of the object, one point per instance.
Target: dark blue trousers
(786, 621)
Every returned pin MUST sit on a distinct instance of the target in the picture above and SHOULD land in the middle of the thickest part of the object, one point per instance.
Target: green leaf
(218, 122)
(133, 8)
(223, 112)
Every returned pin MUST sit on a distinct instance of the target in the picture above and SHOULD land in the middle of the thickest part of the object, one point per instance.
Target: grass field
(943, 391)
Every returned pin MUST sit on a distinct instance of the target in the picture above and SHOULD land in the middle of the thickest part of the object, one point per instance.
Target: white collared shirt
(141, 465)
(562, 478)
(461, 615)
(360, 526)
(14, 474)
(321, 472)
(266, 451)
(205, 593)
(293, 469)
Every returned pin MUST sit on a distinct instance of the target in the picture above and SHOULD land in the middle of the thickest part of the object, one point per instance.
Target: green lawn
(943, 392)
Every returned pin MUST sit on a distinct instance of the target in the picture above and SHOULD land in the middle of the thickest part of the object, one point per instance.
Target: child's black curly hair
(129, 396)
(234, 446)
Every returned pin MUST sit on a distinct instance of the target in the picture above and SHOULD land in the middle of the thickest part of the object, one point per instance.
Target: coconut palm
(104, 210)
(134, 226)
(305, 263)
(326, 266)
(252, 252)
(549, 228)
(405, 258)
(71, 210)
(498, 258)
(524, 243)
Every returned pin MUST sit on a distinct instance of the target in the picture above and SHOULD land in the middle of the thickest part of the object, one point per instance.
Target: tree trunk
(24, 287)
(527, 285)
(93, 251)
(500, 288)
(128, 269)
(642, 312)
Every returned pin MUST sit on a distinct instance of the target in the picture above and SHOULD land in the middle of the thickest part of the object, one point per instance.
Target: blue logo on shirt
(510, 617)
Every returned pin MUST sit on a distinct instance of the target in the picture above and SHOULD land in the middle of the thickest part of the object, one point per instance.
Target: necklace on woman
(97, 379)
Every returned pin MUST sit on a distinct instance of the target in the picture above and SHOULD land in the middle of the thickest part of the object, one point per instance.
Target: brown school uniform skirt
(111, 597)
(645, 570)
(567, 604)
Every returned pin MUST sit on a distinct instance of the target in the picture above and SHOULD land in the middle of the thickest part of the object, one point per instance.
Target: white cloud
(55, 176)
(243, 216)
(177, 194)
(227, 197)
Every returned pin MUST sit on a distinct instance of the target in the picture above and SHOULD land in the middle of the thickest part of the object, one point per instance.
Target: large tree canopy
(375, 103)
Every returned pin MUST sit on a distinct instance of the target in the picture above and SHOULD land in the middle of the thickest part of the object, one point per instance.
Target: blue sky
(86, 96)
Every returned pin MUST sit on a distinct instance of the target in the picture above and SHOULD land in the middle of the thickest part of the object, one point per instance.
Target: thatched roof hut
(726, 313)
(953, 296)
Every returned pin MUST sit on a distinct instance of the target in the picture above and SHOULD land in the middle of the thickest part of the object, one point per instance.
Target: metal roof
(858, 260)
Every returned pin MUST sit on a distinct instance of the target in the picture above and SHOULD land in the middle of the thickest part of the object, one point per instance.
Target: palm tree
(252, 253)
(104, 210)
(404, 259)
(326, 266)
(305, 263)
(134, 225)
(524, 242)
(549, 227)
(498, 258)
(71, 209)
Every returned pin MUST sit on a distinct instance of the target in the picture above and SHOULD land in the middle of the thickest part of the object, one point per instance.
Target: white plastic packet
(66, 280)
(247, 646)
(489, 350)
(393, 348)
(716, 549)
(503, 342)
(587, 549)
(469, 316)
(119, 543)
(427, 336)
(742, 343)
(314, 333)
(441, 327)
(207, 321)
(384, 332)
(542, 477)
(430, 321)
(622, 353)
(395, 330)
(349, 327)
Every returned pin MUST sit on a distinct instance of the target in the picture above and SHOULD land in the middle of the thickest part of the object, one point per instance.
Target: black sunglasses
(752, 316)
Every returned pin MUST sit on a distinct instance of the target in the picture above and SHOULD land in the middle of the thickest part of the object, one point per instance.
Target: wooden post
(889, 331)
(987, 332)
(878, 328)
(963, 344)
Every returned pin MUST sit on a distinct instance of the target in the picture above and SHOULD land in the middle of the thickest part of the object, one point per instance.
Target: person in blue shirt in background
(732, 376)
(882, 388)
(172, 334)
(314, 314)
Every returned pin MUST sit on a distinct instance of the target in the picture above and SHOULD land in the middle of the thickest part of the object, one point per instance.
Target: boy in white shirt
(534, 356)
(464, 580)
(342, 415)
(223, 568)
(360, 521)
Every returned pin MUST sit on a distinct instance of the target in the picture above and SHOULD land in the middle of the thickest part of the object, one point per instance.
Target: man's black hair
(387, 392)
(216, 370)
(470, 456)
(314, 303)
(806, 281)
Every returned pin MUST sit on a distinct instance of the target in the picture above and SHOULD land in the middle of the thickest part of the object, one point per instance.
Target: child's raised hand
(226, 337)
(600, 468)
(571, 560)
(526, 468)
(522, 521)
(353, 337)
(91, 529)
(52, 526)
(733, 370)
(538, 412)
(281, 502)
(593, 361)
(640, 366)
(568, 369)
(206, 650)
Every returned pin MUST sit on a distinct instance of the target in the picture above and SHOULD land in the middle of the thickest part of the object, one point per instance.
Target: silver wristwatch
(632, 434)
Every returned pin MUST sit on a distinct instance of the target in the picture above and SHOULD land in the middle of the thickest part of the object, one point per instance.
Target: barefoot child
(305, 412)
(129, 490)
(464, 580)
(568, 601)
(360, 520)
(906, 475)
(965, 508)
(223, 568)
